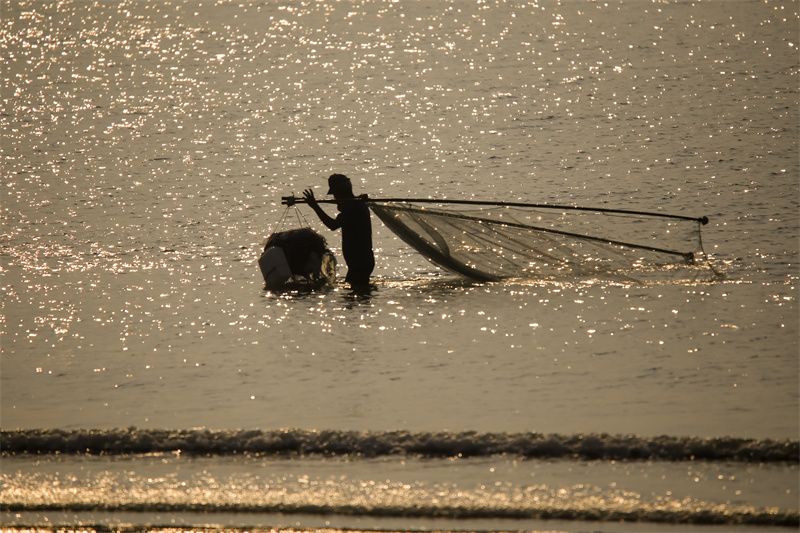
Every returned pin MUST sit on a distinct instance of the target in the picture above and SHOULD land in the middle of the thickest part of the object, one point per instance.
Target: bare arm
(331, 223)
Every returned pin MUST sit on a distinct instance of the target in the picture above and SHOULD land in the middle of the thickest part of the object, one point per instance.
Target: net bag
(297, 256)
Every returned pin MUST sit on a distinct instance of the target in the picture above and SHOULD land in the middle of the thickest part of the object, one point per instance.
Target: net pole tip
(704, 220)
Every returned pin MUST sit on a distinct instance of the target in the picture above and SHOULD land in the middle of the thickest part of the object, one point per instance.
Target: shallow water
(146, 147)
(474, 492)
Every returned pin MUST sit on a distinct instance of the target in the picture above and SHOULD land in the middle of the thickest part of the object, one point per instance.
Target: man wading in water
(354, 220)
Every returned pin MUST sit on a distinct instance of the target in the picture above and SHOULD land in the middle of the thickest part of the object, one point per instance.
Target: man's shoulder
(356, 206)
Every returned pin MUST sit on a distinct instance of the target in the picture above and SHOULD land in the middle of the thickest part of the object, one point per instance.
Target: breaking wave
(376, 443)
(712, 515)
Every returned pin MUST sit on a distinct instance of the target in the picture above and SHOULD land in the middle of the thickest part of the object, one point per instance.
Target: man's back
(354, 219)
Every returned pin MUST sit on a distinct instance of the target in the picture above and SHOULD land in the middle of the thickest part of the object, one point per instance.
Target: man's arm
(331, 223)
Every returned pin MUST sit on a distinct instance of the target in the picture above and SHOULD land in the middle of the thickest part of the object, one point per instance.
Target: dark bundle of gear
(296, 256)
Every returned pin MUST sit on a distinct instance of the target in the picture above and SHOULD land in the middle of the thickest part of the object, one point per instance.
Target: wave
(710, 515)
(385, 443)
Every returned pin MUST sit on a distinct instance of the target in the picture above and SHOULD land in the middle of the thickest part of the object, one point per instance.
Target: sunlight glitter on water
(150, 145)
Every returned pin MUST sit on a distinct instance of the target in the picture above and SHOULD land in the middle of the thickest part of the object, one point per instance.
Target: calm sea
(149, 380)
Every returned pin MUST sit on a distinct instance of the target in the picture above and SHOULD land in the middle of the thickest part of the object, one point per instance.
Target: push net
(488, 242)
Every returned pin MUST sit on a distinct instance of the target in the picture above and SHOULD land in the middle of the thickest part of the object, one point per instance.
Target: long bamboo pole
(291, 200)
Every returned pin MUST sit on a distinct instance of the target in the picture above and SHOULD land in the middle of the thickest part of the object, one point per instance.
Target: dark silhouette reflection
(360, 295)
(298, 291)
(303, 291)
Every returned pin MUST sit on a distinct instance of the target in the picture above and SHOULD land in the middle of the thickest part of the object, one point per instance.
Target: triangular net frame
(492, 241)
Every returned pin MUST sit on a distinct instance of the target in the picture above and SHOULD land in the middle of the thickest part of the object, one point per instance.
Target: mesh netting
(494, 242)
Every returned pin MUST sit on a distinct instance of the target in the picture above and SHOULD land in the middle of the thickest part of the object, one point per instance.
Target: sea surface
(148, 380)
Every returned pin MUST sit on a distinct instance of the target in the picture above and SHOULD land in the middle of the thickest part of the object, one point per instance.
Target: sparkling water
(146, 147)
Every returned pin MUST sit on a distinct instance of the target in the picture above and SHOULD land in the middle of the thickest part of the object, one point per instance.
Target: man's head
(339, 186)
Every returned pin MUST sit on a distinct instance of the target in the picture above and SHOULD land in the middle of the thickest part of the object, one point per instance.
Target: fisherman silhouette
(354, 220)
